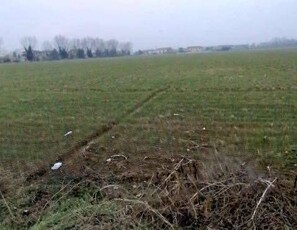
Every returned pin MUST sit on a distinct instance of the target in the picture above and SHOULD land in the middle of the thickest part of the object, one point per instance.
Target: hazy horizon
(149, 23)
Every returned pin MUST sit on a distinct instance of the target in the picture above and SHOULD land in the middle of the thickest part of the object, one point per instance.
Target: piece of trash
(188, 150)
(68, 133)
(123, 156)
(138, 195)
(116, 156)
(176, 114)
(26, 212)
(56, 166)
(203, 128)
(113, 137)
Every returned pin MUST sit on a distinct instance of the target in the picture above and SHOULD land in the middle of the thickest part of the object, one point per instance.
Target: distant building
(194, 49)
(222, 48)
(41, 55)
(149, 52)
(15, 56)
(240, 47)
(165, 50)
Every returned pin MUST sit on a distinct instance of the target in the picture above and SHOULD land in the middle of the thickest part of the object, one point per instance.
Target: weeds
(181, 192)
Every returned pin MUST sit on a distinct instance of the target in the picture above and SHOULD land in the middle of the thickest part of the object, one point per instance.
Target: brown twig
(149, 208)
(8, 208)
(118, 156)
(174, 170)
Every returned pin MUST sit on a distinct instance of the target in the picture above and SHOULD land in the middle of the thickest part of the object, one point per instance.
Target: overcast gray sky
(150, 23)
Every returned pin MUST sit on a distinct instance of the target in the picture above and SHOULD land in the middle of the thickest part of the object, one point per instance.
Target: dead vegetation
(192, 198)
(161, 192)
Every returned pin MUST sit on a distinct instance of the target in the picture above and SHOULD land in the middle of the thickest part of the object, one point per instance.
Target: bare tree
(112, 44)
(125, 48)
(2, 50)
(1, 43)
(84, 43)
(62, 44)
(29, 43)
(75, 43)
(89, 44)
(99, 47)
(47, 46)
(112, 47)
(99, 44)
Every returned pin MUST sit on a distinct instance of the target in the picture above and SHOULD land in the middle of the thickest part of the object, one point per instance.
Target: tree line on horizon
(62, 47)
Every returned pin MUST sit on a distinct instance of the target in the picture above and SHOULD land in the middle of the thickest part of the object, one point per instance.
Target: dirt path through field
(80, 146)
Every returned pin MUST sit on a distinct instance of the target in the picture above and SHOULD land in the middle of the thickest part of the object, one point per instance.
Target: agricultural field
(149, 134)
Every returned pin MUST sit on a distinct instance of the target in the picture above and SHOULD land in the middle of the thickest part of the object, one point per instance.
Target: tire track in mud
(109, 126)
(82, 144)
(141, 104)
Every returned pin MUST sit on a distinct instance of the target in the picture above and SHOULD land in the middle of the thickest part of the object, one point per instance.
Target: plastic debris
(139, 195)
(68, 133)
(123, 156)
(116, 156)
(177, 115)
(26, 212)
(56, 166)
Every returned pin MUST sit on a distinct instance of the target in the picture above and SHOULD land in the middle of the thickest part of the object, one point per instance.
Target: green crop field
(242, 104)
(247, 98)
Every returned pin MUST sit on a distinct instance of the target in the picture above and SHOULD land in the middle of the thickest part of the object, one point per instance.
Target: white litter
(116, 156)
(204, 128)
(123, 156)
(138, 195)
(56, 166)
(68, 133)
(26, 212)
